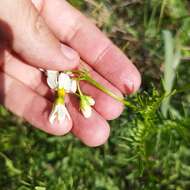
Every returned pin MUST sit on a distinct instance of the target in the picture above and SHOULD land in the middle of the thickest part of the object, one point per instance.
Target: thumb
(32, 39)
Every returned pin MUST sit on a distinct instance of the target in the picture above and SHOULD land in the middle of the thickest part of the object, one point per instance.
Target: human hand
(23, 90)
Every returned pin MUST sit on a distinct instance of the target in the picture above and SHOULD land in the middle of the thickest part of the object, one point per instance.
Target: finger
(93, 131)
(25, 103)
(28, 75)
(72, 27)
(32, 39)
(105, 105)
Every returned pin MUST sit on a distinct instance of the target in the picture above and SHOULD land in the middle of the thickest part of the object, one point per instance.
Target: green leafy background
(149, 147)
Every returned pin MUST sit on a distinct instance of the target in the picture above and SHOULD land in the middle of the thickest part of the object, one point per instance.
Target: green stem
(79, 90)
(108, 92)
(76, 94)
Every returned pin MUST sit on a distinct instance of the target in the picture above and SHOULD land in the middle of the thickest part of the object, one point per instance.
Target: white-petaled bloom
(59, 111)
(63, 84)
(85, 105)
(57, 80)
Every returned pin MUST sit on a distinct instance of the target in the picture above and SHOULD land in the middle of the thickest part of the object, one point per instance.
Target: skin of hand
(51, 34)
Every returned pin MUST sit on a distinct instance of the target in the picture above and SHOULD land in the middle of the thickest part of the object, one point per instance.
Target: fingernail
(69, 53)
(129, 85)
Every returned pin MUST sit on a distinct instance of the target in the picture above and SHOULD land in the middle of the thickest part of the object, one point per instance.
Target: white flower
(63, 84)
(85, 105)
(60, 113)
(58, 80)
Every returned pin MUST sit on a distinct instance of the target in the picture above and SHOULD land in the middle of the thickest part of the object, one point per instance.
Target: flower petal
(67, 113)
(87, 111)
(52, 118)
(64, 81)
(61, 113)
(53, 115)
(90, 100)
(52, 79)
(73, 86)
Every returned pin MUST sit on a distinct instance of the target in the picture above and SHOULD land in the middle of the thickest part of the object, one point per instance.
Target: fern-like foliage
(153, 145)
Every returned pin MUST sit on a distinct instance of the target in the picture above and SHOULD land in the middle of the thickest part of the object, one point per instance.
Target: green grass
(149, 147)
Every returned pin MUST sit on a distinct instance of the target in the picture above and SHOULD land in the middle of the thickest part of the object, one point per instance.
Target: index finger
(71, 27)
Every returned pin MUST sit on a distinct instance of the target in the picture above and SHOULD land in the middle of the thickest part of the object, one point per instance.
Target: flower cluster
(69, 82)
(65, 83)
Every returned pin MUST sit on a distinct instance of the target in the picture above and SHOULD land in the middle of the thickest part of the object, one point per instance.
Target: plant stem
(108, 92)
(79, 90)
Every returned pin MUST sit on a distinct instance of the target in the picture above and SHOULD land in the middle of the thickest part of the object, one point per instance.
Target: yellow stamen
(59, 100)
(60, 96)
(61, 92)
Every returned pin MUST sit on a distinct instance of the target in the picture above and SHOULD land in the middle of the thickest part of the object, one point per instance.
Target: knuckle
(35, 21)
(74, 28)
(39, 25)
